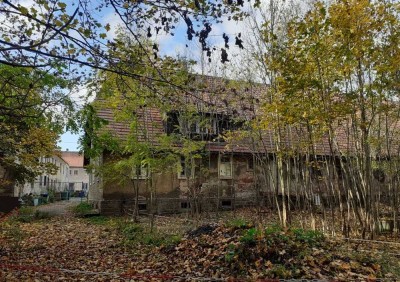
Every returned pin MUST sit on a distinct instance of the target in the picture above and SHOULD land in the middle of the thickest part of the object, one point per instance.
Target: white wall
(42, 183)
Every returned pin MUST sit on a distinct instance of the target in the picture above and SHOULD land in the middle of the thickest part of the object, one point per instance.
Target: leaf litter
(77, 250)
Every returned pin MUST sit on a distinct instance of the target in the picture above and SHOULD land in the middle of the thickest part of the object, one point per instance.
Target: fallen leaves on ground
(73, 249)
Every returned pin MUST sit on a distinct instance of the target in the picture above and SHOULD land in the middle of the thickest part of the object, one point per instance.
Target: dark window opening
(250, 164)
(183, 172)
(185, 205)
(316, 170)
(339, 170)
(226, 203)
(203, 126)
(142, 206)
(172, 124)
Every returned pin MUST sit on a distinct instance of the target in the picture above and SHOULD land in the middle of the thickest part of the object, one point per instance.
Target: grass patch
(250, 236)
(29, 214)
(82, 209)
(309, 237)
(389, 264)
(98, 220)
(12, 233)
(135, 234)
(238, 223)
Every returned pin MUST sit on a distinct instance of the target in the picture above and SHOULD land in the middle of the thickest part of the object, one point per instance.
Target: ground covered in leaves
(115, 249)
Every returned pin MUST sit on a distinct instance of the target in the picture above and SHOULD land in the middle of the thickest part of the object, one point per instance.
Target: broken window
(142, 172)
(225, 166)
(185, 205)
(201, 125)
(250, 164)
(316, 170)
(226, 204)
(186, 169)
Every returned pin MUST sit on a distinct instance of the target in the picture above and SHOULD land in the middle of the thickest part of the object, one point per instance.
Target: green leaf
(62, 5)
(23, 10)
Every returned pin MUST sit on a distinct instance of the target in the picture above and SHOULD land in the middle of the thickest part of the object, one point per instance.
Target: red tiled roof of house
(73, 159)
(149, 127)
(236, 99)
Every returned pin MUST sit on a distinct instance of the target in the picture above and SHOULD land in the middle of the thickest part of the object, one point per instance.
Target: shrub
(250, 236)
(25, 214)
(230, 253)
(132, 231)
(15, 234)
(274, 234)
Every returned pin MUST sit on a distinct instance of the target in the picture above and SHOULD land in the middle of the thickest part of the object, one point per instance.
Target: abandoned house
(229, 168)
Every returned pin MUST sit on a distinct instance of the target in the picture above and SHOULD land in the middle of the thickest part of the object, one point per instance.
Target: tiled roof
(150, 124)
(73, 159)
(217, 95)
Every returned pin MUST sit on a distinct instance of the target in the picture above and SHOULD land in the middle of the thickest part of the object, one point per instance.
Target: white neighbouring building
(78, 177)
(58, 182)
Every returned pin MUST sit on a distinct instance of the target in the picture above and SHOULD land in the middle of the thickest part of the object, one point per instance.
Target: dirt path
(61, 208)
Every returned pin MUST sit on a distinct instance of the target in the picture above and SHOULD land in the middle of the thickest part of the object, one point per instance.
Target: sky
(170, 46)
(69, 142)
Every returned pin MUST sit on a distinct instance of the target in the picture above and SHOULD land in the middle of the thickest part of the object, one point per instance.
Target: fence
(38, 188)
(37, 193)
(204, 203)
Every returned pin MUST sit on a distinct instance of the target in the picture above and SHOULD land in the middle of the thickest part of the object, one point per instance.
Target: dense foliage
(34, 108)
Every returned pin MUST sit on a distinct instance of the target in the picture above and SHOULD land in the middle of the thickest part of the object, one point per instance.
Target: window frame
(142, 168)
(182, 171)
(250, 163)
(222, 162)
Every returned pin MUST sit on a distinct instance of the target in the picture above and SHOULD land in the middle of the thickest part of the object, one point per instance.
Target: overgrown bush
(51, 195)
(273, 247)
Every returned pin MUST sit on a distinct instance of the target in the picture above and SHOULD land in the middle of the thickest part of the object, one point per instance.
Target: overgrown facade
(223, 157)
